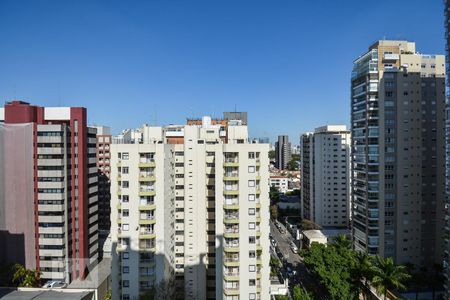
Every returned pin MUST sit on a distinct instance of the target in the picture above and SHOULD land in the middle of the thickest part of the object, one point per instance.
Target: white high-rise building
(190, 213)
(325, 159)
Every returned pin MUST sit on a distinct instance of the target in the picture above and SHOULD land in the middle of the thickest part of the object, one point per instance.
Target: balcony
(231, 232)
(146, 177)
(231, 291)
(231, 276)
(147, 163)
(231, 204)
(231, 161)
(147, 205)
(231, 176)
(147, 245)
(231, 218)
(231, 261)
(147, 234)
(147, 220)
(231, 247)
(391, 56)
(147, 190)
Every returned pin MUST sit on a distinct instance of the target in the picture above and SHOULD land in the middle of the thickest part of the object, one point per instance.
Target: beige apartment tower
(397, 115)
(189, 213)
(325, 175)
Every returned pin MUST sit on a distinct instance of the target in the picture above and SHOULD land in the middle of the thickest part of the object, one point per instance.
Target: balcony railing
(231, 259)
(231, 217)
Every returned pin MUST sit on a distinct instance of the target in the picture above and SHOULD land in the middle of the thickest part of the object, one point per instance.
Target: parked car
(55, 284)
(294, 247)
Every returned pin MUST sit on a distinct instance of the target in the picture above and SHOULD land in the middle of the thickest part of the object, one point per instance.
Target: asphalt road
(283, 241)
(294, 261)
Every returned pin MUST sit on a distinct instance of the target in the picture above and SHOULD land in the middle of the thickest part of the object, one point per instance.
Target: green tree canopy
(388, 276)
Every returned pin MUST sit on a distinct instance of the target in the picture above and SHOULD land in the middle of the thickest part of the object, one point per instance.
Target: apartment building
(190, 213)
(325, 176)
(282, 152)
(279, 182)
(48, 192)
(446, 263)
(397, 115)
(104, 140)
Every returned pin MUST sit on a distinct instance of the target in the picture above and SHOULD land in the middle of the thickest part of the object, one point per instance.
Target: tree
(274, 194)
(292, 165)
(361, 273)
(272, 154)
(24, 277)
(388, 276)
(331, 267)
(274, 211)
(309, 225)
(108, 295)
(281, 297)
(342, 242)
(298, 293)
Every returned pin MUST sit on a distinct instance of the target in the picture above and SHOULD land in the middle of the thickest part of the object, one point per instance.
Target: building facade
(397, 115)
(190, 213)
(325, 176)
(49, 189)
(447, 158)
(104, 140)
(282, 152)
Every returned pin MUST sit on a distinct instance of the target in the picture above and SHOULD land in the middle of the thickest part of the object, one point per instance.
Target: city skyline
(158, 57)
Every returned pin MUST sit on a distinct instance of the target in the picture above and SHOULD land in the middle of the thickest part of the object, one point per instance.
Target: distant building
(104, 140)
(232, 115)
(48, 190)
(312, 236)
(280, 182)
(282, 152)
(325, 176)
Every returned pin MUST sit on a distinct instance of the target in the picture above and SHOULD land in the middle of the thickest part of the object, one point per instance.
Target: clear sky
(287, 63)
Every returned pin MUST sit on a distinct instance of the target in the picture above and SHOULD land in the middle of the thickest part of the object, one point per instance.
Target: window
(126, 270)
(125, 155)
(251, 169)
(252, 282)
(125, 184)
(125, 255)
(125, 283)
(252, 268)
(251, 225)
(125, 213)
(251, 155)
(251, 183)
(125, 297)
(251, 197)
(252, 296)
(252, 254)
(251, 211)
(125, 198)
(126, 227)
(125, 170)
(251, 240)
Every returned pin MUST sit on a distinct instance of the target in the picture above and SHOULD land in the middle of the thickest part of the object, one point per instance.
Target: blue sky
(287, 63)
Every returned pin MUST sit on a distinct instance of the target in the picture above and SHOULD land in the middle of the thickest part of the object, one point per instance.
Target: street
(283, 241)
(294, 261)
